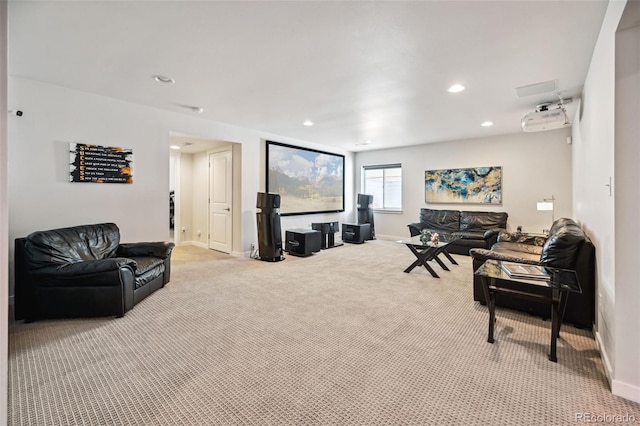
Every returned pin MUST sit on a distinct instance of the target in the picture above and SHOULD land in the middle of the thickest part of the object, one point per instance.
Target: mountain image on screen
(307, 181)
(305, 186)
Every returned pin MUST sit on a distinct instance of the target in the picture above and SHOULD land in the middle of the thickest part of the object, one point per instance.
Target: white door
(220, 197)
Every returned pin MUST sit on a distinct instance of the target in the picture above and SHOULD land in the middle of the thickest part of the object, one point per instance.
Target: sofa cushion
(480, 254)
(477, 221)
(149, 267)
(523, 248)
(71, 245)
(442, 220)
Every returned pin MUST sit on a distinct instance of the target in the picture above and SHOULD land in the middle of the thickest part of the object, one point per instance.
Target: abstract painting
(308, 180)
(481, 185)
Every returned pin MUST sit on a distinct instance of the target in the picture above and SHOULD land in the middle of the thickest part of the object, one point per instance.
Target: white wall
(593, 148)
(534, 166)
(185, 200)
(4, 215)
(200, 211)
(41, 197)
(627, 203)
(606, 145)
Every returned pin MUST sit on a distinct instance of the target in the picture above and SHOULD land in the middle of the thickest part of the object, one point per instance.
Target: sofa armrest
(484, 254)
(161, 249)
(415, 228)
(492, 233)
(491, 236)
(85, 268)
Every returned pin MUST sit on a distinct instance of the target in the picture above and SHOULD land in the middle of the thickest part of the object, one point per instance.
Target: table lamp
(547, 204)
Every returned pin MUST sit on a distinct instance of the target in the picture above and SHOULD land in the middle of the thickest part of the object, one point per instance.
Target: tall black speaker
(365, 212)
(268, 201)
(269, 230)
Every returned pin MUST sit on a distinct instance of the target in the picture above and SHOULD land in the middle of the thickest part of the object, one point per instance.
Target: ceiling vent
(547, 116)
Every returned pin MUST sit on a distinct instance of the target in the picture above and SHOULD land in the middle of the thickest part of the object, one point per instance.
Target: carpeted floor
(343, 337)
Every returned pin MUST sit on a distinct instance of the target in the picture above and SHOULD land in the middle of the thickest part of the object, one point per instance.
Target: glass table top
(445, 239)
(563, 279)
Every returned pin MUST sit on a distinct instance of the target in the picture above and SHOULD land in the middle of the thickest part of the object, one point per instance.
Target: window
(385, 184)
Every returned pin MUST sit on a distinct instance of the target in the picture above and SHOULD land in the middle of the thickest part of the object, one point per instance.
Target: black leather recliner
(84, 271)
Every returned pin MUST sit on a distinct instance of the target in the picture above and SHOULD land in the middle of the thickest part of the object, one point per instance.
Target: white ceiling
(360, 70)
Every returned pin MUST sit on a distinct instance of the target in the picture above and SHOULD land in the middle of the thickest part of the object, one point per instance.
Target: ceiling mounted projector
(544, 118)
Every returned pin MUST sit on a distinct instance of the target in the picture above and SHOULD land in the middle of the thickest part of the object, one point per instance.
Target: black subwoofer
(356, 233)
(302, 242)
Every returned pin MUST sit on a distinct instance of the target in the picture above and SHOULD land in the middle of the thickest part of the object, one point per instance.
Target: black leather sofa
(84, 271)
(475, 229)
(566, 247)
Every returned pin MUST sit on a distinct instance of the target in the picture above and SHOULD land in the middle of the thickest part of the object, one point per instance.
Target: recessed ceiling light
(174, 147)
(456, 88)
(308, 123)
(199, 110)
(367, 142)
(163, 79)
(487, 124)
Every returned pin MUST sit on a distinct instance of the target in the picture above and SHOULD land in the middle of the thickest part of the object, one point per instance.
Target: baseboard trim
(605, 358)
(391, 237)
(618, 388)
(193, 243)
(626, 391)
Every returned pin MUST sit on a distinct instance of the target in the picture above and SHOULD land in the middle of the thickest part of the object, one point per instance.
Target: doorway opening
(204, 183)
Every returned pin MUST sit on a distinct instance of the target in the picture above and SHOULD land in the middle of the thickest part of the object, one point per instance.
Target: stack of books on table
(530, 272)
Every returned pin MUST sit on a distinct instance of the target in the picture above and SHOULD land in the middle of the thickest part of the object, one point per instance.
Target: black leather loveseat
(566, 247)
(85, 271)
(475, 229)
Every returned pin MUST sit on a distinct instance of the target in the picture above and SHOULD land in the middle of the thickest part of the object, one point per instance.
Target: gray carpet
(343, 337)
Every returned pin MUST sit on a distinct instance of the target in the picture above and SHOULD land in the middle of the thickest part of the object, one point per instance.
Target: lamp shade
(545, 206)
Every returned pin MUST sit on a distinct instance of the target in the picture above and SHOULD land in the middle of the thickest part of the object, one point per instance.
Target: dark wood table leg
(422, 258)
(448, 256)
(413, 265)
(440, 262)
(490, 298)
(558, 306)
(555, 330)
(563, 307)
(419, 259)
(430, 269)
